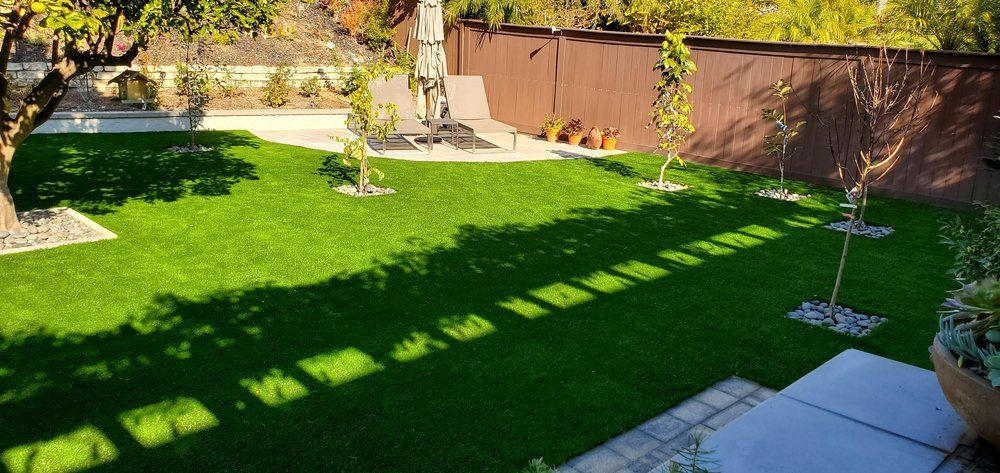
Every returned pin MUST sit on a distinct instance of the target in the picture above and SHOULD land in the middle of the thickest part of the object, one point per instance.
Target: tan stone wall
(249, 76)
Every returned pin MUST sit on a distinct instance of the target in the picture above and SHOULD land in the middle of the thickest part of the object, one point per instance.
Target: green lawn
(250, 318)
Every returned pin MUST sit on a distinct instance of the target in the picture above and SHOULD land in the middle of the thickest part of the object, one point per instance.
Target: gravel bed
(778, 195)
(190, 149)
(46, 227)
(667, 186)
(845, 320)
(870, 231)
(373, 190)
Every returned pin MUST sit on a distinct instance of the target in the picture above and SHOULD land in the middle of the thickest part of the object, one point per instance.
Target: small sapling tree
(193, 83)
(670, 116)
(867, 144)
(777, 145)
(369, 120)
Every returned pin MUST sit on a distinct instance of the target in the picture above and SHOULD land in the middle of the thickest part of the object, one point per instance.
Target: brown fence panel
(607, 78)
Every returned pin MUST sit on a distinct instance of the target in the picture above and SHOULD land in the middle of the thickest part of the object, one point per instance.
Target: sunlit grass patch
(340, 367)
(417, 345)
(524, 308)
(166, 421)
(605, 282)
(82, 449)
(681, 258)
(465, 328)
(640, 271)
(562, 295)
(275, 388)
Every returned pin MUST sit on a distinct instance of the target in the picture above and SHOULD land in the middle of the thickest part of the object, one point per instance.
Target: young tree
(867, 143)
(87, 31)
(368, 120)
(777, 144)
(671, 109)
(194, 84)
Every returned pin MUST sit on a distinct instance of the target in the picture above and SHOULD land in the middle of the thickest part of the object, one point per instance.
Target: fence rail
(606, 79)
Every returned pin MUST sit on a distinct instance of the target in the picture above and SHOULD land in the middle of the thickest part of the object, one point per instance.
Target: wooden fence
(606, 79)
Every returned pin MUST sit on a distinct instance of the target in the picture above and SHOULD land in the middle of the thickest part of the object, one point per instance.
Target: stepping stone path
(870, 231)
(844, 319)
(651, 444)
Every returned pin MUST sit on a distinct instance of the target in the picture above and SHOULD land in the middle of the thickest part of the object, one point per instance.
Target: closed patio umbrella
(432, 66)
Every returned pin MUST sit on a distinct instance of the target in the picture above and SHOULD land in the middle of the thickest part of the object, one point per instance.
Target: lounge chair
(468, 107)
(395, 91)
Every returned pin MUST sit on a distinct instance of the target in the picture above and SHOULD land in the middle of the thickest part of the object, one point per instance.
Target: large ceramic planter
(574, 139)
(552, 135)
(594, 138)
(971, 395)
(609, 144)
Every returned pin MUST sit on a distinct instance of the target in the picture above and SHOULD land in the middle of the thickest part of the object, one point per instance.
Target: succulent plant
(970, 327)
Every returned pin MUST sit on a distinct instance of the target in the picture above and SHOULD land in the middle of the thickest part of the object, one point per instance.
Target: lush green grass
(249, 318)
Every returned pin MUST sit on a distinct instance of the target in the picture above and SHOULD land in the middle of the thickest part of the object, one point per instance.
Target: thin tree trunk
(781, 176)
(663, 170)
(188, 79)
(843, 262)
(8, 214)
(363, 167)
(864, 205)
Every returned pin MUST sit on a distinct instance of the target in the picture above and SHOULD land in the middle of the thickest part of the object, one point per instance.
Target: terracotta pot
(609, 144)
(575, 139)
(971, 395)
(552, 135)
(595, 138)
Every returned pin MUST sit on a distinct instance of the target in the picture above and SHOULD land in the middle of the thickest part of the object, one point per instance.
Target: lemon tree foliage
(369, 120)
(670, 116)
(94, 33)
(777, 144)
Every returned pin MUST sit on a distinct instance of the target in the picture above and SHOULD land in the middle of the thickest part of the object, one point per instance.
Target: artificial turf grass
(513, 310)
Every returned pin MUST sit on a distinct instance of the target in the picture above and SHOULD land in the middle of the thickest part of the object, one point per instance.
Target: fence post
(557, 96)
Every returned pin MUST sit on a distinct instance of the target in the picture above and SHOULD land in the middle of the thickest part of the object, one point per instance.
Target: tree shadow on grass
(98, 173)
(615, 167)
(336, 172)
(513, 342)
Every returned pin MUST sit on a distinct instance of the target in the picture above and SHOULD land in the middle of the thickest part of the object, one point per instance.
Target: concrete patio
(529, 148)
(856, 413)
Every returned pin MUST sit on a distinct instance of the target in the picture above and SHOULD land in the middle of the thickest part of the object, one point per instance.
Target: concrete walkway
(649, 445)
(529, 148)
(856, 413)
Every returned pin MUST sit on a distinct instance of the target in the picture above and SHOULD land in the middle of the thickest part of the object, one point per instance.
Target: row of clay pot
(595, 139)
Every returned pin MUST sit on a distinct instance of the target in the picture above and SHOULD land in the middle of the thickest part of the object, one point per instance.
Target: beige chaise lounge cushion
(467, 98)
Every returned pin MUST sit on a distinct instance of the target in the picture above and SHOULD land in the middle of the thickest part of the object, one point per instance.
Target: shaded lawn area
(249, 318)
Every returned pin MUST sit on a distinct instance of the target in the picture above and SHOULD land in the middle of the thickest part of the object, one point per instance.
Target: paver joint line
(861, 422)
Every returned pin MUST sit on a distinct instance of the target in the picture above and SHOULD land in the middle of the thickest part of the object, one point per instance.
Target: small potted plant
(610, 138)
(552, 126)
(574, 132)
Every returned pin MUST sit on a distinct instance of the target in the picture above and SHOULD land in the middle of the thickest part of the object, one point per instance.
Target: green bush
(977, 246)
(311, 87)
(278, 87)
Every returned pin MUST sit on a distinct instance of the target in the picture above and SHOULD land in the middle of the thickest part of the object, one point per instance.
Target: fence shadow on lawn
(78, 171)
(499, 347)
